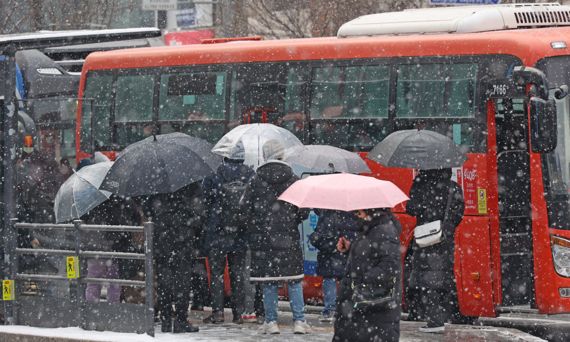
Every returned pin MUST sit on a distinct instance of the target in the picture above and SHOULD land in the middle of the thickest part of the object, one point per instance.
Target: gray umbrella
(161, 164)
(80, 193)
(418, 149)
(325, 158)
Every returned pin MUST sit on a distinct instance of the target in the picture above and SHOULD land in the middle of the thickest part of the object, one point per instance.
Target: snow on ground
(226, 332)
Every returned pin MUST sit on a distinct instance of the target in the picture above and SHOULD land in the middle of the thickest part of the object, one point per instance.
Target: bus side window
(436, 90)
(96, 111)
(278, 90)
(133, 101)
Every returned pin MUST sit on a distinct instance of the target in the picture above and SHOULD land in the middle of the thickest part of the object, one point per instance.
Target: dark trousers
(258, 300)
(173, 276)
(236, 265)
(437, 308)
(199, 283)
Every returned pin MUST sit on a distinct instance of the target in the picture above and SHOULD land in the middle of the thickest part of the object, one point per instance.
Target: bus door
(515, 226)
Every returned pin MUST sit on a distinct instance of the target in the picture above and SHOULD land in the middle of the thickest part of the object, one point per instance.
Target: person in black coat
(368, 306)
(225, 235)
(274, 238)
(331, 225)
(176, 217)
(432, 284)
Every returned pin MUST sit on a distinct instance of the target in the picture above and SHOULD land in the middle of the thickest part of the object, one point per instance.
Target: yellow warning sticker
(72, 266)
(482, 200)
(8, 289)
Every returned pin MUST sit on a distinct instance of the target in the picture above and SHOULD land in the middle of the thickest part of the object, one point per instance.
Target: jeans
(295, 289)
(329, 294)
(102, 268)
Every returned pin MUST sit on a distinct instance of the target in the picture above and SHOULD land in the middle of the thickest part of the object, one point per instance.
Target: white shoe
(436, 330)
(270, 328)
(301, 327)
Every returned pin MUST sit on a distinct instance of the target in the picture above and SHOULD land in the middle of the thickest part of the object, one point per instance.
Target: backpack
(231, 214)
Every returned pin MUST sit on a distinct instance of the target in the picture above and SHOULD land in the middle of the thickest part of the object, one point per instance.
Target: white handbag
(429, 234)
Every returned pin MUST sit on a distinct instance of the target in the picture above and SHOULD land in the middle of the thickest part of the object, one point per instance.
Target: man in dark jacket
(369, 301)
(176, 216)
(225, 235)
(274, 238)
(331, 263)
(431, 280)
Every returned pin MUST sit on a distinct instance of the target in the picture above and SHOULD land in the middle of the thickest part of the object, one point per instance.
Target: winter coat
(38, 181)
(273, 232)
(114, 211)
(432, 266)
(330, 227)
(216, 235)
(176, 217)
(373, 271)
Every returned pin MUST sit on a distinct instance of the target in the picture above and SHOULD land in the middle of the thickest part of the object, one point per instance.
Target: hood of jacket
(275, 172)
(231, 171)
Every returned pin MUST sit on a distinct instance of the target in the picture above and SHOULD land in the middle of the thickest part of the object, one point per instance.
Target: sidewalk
(321, 332)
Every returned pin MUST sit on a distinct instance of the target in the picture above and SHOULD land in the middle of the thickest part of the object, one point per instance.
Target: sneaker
(214, 318)
(270, 328)
(260, 319)
(428, 329)
(249, 318)
(326, 317)
(301, 327)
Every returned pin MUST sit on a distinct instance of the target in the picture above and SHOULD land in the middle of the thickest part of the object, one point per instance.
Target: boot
(165, 325)
(214, 318)
(184, 327)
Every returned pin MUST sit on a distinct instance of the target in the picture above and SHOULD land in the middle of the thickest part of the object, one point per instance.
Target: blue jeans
(329, 294)
(295, 289)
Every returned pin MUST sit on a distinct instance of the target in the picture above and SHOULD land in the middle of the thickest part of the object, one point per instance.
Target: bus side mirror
(543, 130)
(561, 92)
(524, 75)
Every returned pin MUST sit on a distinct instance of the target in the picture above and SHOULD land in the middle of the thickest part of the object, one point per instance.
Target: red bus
(381, 74)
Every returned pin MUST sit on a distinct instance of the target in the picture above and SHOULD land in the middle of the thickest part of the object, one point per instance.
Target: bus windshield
(556, 165)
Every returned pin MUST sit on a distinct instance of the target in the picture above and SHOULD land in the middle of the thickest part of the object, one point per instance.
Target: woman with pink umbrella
(368, 306)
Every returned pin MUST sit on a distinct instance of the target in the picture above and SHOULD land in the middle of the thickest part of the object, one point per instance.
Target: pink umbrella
(343, 191)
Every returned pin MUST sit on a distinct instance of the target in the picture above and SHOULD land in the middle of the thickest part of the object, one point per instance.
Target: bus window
(193, 103)
(346, 103)
(350, 92)
(96, 111)
(133, 101)
(192, 96)
(436, 90)
(133, 107)
(275, 90)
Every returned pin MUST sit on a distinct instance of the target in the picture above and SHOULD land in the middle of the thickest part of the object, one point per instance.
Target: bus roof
(529, 45)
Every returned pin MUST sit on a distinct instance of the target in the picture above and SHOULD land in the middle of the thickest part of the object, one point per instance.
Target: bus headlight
(561, 255)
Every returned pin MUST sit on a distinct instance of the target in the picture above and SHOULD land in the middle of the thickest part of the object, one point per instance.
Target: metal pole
(149, 277)
(11, 268)
(10, 130)
(79, 286)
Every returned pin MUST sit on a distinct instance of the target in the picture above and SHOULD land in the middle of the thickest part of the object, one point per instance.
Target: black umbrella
(418, 149)
(160, 164)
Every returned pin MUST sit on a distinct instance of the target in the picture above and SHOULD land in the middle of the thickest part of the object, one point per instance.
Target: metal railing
(73, 309)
